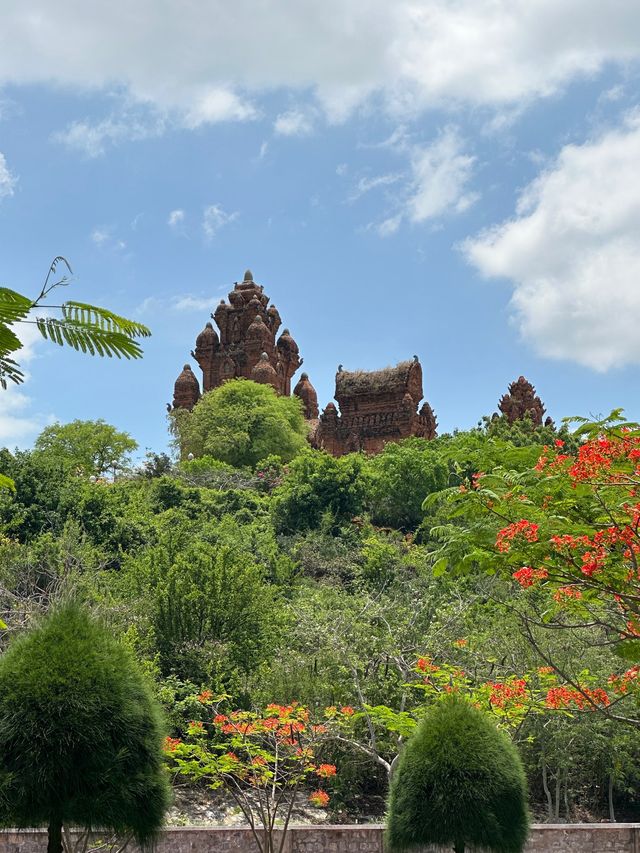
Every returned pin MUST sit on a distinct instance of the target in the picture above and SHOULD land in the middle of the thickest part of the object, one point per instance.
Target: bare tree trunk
(612, 814)
(54, 844)
(545, 786)
(556, 811)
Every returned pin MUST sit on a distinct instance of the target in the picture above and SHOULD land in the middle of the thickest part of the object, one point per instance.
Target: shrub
(240, 423)
(317, 484)
(459, 783)
(80, 735)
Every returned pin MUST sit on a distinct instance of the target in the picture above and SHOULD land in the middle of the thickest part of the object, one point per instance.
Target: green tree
(80, 734)
(401, 477)
(459, 782)
(240, 423)
(318, 484)
(212, 614)
(93, 447)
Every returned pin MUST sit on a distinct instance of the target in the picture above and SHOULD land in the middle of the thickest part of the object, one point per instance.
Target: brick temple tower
(245, 345)
(375, 407)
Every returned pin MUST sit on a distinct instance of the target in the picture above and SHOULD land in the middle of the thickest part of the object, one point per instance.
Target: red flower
(319, 798)
(527, 576)
(171, 744)
(326, 770)
(347, 710)
(523, 528)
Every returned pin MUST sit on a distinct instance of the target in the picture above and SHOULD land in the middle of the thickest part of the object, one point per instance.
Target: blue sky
(452, 178)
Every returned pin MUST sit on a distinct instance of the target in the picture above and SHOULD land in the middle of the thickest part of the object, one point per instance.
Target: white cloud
(441, 172)
(99, 236)
(93, 139)
(293, 123)
(7, 180)
(176, 218)
(364, 185)
(389, 226)
(201, 61)
(214, 218)
(18, 427)
(218, 104)
(103, 237)
(435, 186)
(572, 255)
(195, 303)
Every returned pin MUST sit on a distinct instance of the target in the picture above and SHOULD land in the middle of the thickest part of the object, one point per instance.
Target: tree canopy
(80, 735)
(459, 783)
(241, 423)
(92, 447)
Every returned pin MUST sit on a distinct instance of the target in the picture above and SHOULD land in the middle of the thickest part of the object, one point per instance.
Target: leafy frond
(82, 314)
(9, 341)
(89, 338)
(9, 370)
(13, 306)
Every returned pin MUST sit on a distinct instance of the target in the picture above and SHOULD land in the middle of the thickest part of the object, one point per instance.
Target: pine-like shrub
(459, 783)
(80, 733)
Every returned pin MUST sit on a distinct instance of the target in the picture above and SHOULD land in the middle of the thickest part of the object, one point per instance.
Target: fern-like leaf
(82, 314)
(13, 306)
(89, 338)
(9, 370)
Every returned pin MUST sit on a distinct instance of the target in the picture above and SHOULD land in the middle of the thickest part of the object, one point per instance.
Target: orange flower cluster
(503, 693)
(319, 798)
(171, 744)
(527, 576)
(564, 697)
(523, 528)
(565, 593)
(205, 696)
(326, 770)
(622, 683)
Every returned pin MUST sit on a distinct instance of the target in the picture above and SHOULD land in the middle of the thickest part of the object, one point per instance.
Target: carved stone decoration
(428, 422)
(186, 391)
(248, 327)
(307, 393)
(375, 408)
(264, 373)
(520, 401)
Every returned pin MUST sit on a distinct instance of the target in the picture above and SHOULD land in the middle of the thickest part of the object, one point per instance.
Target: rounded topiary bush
(459, 783)
(80, 733)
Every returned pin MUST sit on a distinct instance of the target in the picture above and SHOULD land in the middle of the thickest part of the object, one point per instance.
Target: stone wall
(545, 838)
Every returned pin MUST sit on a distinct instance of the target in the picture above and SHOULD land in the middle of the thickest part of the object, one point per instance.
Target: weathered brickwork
(244, 346)
(375, 407)
(562, 838)
(521, 401)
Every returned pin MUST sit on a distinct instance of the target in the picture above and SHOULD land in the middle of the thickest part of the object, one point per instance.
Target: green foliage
(460, 783)
(80, 735)
(317, 484)
(401, 477)
(524, 432)
(89, 447)
(86, 328)
(240, 423)
(212, 616)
